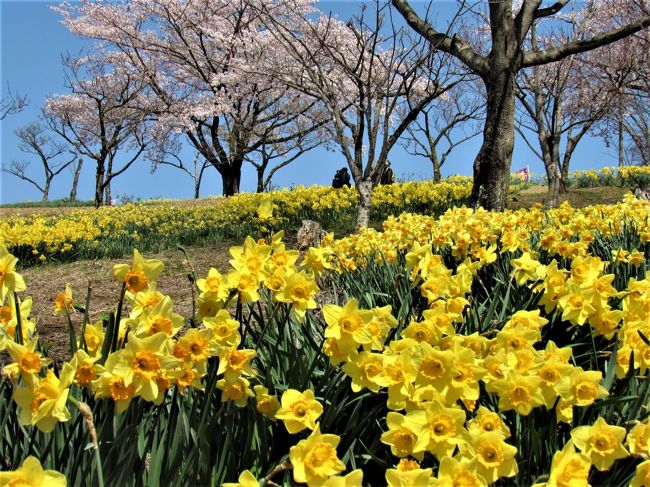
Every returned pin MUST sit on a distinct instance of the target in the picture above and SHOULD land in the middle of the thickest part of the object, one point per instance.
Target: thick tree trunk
(364, 188)
(230, 176)
(553, 194)
(492, 164)
(99, 184)
(75, 180)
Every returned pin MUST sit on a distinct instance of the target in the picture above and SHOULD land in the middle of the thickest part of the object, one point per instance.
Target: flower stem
(87, 414)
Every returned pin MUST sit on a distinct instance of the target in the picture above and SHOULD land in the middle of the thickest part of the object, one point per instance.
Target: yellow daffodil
(527, 269)
(246, 283)
(347, 325)
(365, 370)
(442, 431)
(236, 389)
(43, 403)
(246, 479)
(32, 474)
(402, 433)
(158, 319)
(299, 289)
(138, 275)
(224, 331)
(408, 474)
(641, 475)
(114, 386)
(214, 286)
(568, 468)
(314, 459)
(495, 458)
(234, 362)
(63, 302)
(144, 300)
(142, 362)
(85, 368)
(9, 319)
(353, 479)
(601, 442)
(459, 472)
(265, 209)
(487, 421)
(194, 346)
(27, 361)
(638, 439)
(250, 258)
(94, 338)
(299, 410)
(267, 404)
(519, 392)
(10, 280)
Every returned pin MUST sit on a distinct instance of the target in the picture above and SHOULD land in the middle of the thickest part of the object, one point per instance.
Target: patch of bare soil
(44, 283)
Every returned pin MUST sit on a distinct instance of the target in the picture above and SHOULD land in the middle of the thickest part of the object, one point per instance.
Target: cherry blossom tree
(507, 54)
(195, 56)
(106, 117)
(623, 69)
(51, 153)
(372, 79)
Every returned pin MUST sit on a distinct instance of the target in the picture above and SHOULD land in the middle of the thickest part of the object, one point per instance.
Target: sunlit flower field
(451, 348)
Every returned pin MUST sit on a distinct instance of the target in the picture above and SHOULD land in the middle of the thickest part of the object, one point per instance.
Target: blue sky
(32, 42)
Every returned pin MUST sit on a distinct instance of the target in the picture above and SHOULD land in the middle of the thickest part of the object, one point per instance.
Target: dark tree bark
(231, 177)
(99, 183)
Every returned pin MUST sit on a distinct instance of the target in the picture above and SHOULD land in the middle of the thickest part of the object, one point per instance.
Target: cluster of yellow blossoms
(563, 232)
(82, 230)
(607, 176)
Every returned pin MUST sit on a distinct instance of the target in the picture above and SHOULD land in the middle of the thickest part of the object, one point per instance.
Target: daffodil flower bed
(475, 348)
(608, 176)
(152, 226)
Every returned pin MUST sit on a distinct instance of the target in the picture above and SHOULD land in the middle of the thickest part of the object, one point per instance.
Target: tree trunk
(553, 194)
(107, 194)
(75, 180)
(621, 147)
(364, 188)
(260, 180)
(107, 182)
(551, 156)
(99, 184)
(46, 189)
(492, 164)
(436, 166)
(197, 187)
(230, 176)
